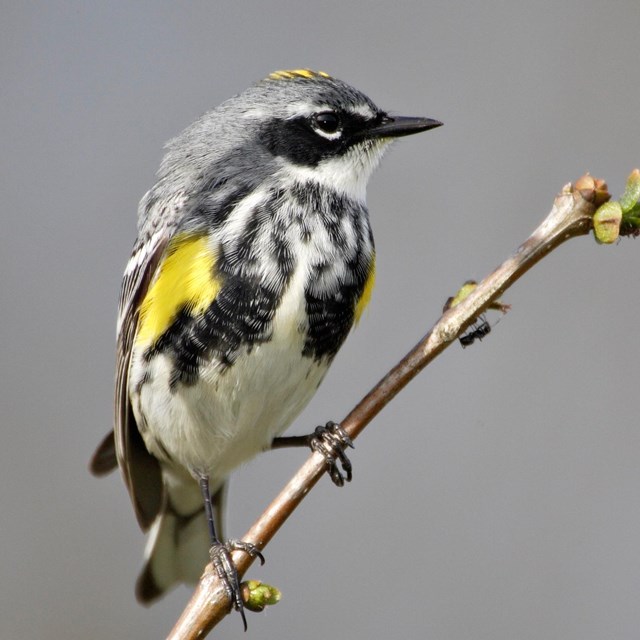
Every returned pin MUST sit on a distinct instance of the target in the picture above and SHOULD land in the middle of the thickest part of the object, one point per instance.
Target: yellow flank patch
(367, 291)
(297, 73)
(185, 280)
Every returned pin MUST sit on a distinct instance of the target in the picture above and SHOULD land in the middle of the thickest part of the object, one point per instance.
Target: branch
(571, 215)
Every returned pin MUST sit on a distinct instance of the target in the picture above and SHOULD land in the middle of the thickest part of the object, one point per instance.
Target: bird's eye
(327, 122)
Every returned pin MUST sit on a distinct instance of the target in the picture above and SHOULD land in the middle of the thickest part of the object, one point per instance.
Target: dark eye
(327, 121)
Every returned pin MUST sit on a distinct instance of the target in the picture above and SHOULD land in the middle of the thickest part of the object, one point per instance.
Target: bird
(254, 259)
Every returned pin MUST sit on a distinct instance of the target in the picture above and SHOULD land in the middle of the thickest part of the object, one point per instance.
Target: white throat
(347, 174)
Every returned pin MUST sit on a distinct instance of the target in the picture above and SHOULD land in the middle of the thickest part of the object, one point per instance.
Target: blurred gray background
(498, 497)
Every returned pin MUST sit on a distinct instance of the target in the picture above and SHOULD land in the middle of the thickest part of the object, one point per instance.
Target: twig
(571, 215)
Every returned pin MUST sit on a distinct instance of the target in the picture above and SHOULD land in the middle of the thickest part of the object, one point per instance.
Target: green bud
(463, 293)
(631, 195)
(256, 595)
(465, 290)
(606, 222)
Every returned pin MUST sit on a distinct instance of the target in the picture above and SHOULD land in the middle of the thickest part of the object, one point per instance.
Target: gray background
(499, 495)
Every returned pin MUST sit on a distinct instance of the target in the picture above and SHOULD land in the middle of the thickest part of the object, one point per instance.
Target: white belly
(231, 414)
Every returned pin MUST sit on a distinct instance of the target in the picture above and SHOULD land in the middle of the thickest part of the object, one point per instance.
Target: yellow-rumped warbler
(254, 258)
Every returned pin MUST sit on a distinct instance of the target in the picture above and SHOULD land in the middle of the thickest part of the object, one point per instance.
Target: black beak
(395, 127)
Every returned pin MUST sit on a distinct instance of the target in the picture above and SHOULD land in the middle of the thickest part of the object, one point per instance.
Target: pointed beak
(397, 126)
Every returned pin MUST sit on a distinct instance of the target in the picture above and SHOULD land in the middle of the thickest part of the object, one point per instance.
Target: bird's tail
(178, 547)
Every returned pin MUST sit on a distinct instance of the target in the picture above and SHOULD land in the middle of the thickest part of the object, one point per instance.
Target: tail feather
(104, 459)
(178, 546)
(177, 551)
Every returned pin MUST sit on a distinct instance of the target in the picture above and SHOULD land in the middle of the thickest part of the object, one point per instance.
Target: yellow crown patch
(290, 74)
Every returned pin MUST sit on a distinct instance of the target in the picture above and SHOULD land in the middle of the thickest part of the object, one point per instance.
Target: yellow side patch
(367, 291)
(297, 73)
(186, 279)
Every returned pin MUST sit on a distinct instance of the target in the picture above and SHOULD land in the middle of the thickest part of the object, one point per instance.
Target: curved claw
(331, 440)
(248, 547)
(220, 555)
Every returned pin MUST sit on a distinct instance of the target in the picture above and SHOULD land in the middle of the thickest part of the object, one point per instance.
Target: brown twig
(571, 215)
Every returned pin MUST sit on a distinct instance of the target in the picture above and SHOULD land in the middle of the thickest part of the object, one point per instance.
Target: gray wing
(124, 446)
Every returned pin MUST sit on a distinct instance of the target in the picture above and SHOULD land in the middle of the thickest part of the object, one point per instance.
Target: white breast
(232, 414)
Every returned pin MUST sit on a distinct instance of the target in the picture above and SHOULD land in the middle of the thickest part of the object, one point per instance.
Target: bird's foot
(220, 554)
(331, 440)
